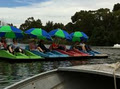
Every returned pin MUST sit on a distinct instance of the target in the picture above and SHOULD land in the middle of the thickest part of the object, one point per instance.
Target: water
(11, 73)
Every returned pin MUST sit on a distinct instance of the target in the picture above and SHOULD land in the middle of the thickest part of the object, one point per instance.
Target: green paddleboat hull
(26, 55)
(32, 55)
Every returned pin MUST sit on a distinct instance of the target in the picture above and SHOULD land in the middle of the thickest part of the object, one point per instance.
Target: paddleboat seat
(82, 53)
(47, 54)
(70, 53)
(59, 53)
(92, 53)
(76, 53)
(52, 54)
(7, 54)
(31, 55)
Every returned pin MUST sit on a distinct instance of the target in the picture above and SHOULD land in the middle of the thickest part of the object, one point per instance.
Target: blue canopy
(84, 37)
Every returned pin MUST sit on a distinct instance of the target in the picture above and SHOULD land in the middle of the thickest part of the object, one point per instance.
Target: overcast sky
(17, 11)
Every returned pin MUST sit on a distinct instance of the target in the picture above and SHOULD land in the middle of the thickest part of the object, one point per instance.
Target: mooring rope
(117, 65)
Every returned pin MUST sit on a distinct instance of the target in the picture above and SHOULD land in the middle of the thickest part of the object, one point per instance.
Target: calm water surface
(11, 73)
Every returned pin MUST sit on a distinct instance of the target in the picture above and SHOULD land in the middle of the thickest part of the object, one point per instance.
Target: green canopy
(76, 36)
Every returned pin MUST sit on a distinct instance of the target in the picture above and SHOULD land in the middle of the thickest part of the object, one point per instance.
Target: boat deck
(101, 69)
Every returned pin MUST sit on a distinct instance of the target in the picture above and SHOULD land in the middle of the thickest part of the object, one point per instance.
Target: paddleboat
(55, 55)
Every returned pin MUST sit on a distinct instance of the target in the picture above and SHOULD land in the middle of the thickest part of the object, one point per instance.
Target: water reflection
(10, 73)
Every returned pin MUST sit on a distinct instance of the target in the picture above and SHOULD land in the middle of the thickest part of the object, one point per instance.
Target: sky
(60, 11)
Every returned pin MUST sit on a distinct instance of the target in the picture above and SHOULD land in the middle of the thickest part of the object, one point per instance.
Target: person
(14, 47)
(56, 46)
(31, 46)
(75, 46)
(3, 44)
(53, 46)
(83, 46)
(87, 49)
(41, 47)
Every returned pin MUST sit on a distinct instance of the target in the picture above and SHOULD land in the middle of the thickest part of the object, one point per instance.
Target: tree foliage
(31, 23)
(116, 7)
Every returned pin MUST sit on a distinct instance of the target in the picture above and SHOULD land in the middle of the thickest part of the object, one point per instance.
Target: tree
(59, 25)
(31, 23)
(84, 21)
(116, 7)
(69, 27)
(49, 26)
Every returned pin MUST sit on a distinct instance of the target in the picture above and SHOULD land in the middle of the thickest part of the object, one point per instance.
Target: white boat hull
(116, 46)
